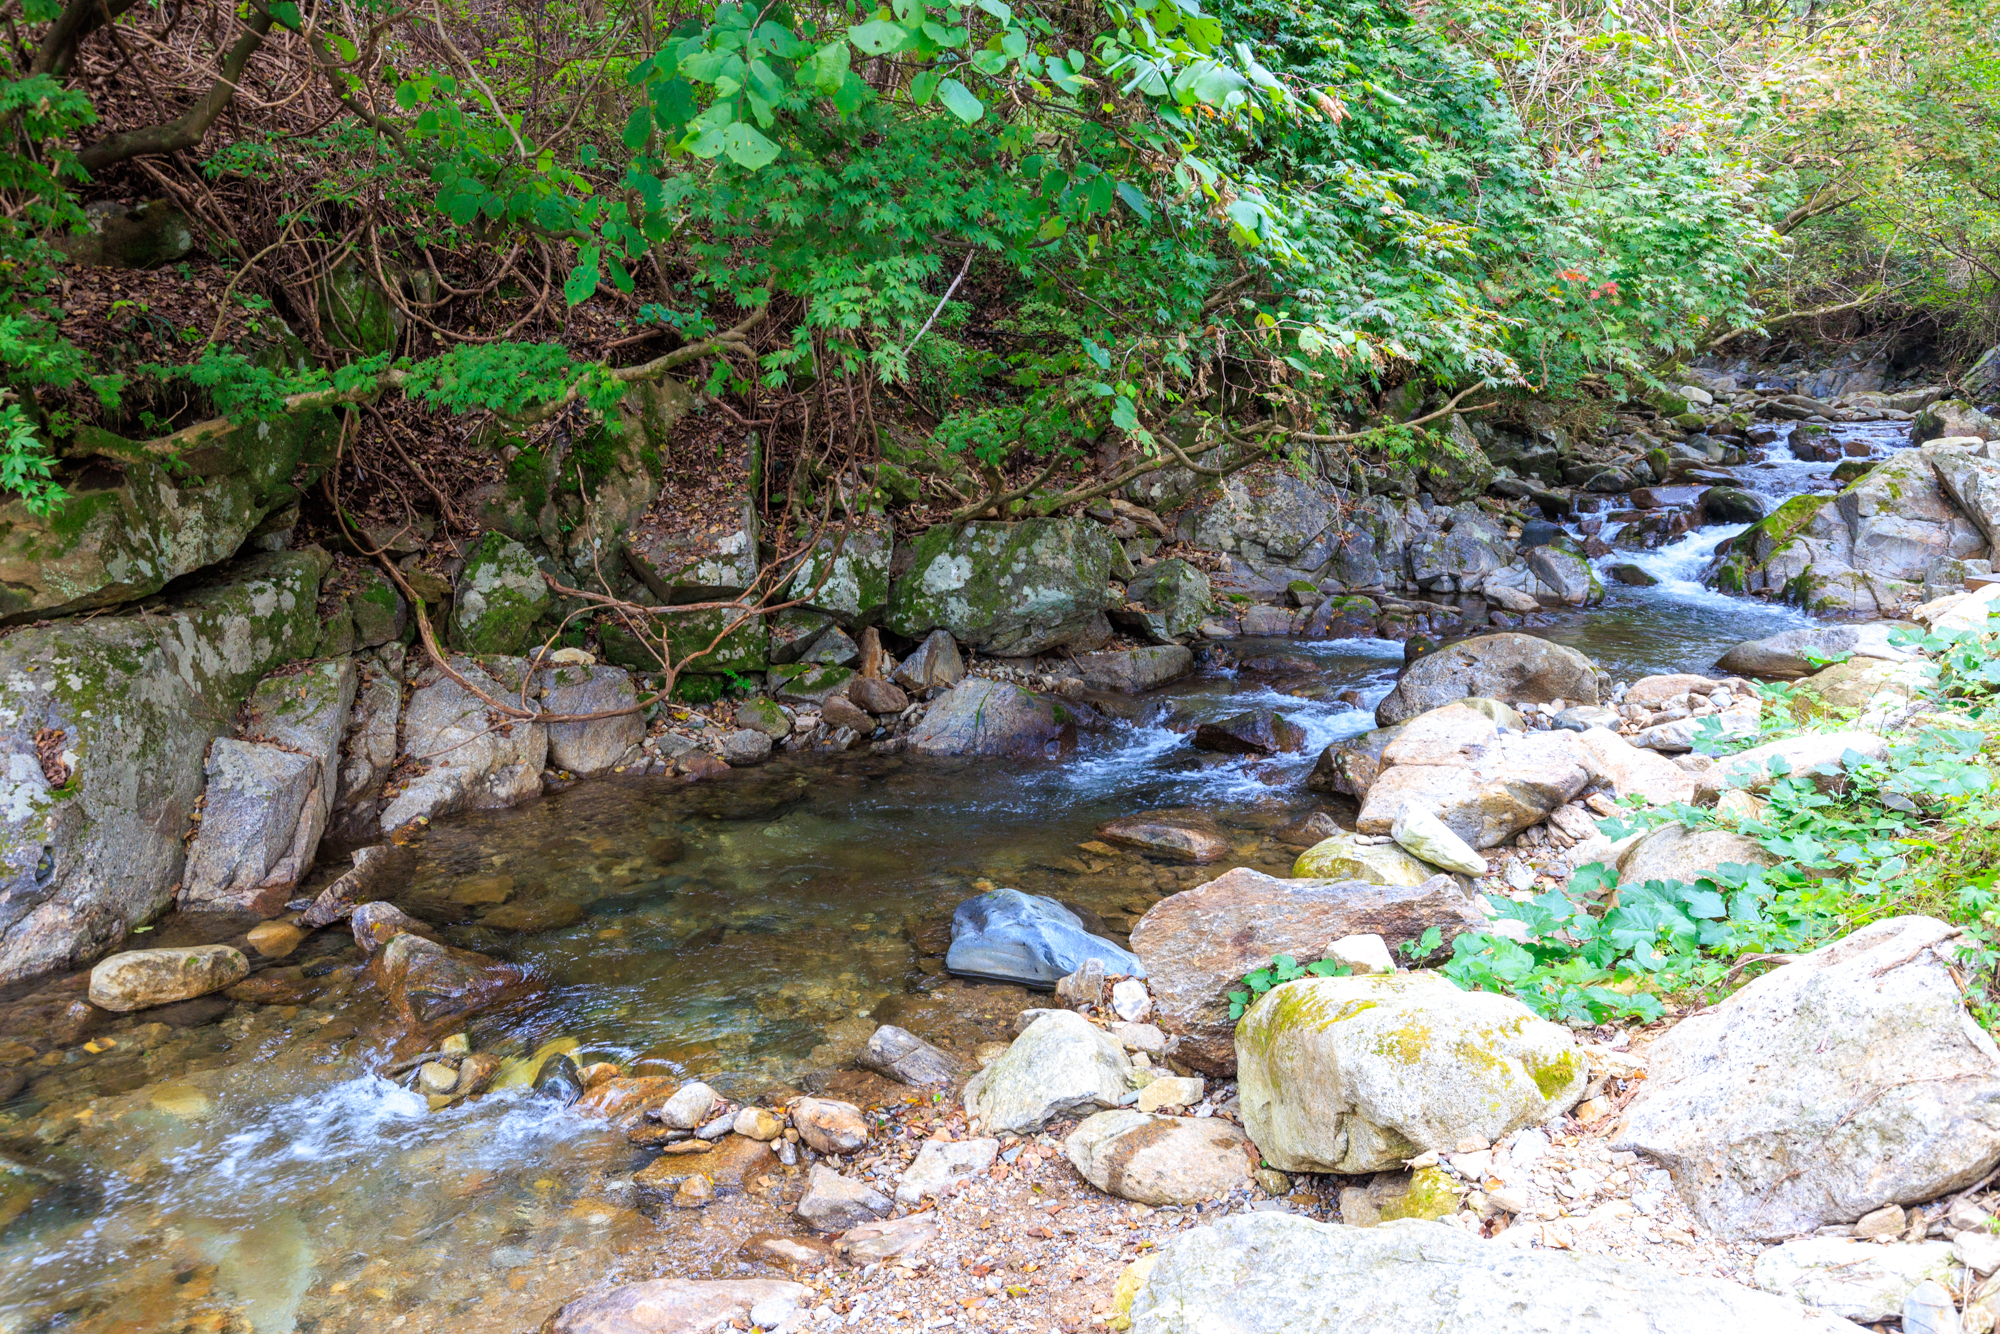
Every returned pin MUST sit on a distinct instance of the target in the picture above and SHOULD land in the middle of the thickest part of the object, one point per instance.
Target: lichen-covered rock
(1359, 1074)
(90, 845)
(370, 748)
(1267, 515)
(1850, 1078)
(591, 748)
(1514, 668)
(1198, 944)
(139, 978)
(705, 561)
(1949, 417)
(847, 574)
(1176, 592)
(1278, 1271)
(500, 597)
(1008, 589)
(1343, 857)
(129, 236)
(1060, 1066)
(469, 763)
(981, 716)
(1160, 1160)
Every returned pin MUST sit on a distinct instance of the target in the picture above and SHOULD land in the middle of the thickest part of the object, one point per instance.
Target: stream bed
(226, 1167)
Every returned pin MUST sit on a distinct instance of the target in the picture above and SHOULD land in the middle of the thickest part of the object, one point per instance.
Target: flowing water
(221, 1167)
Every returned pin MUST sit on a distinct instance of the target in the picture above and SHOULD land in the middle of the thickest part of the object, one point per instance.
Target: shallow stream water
(227, 1167)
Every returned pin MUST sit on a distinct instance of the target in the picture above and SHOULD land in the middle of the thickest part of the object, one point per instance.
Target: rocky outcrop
(1360, 1074)
(469, 761)
(1160, 1160)
(1198, 944)
(370, 748)
(1848, 1079)
(1008, 589)
(1267, 515)
(1323, 1278)
(1060, 1066)
(104, 725)
(500, 597)
(1510, 667)
(1167, 600)
(981, 716)
(1008, 936)
(847, 575)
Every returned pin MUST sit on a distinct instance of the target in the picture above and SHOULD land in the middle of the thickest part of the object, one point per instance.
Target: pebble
(688, 1107)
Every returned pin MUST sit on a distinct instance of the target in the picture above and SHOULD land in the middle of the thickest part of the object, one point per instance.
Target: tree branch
(191, 126)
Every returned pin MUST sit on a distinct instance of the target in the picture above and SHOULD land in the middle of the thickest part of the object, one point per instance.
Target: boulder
(907, 1058)
(1823, 755)
(1653, 692)
(1727, 504)
(942, 1164)
(1060, 1066)
(1198, 944)
(828, 1125)
(846, 574)
(500, 598)
(981, 716)
(672, 1305)
(1820, 1091)
(711, 561)
(1516, 668)
(270, 795)
(1483, 785)
(1422, 835)
(1129, 671)
(1344, 857)
(745, 746)
(139, 978)
(1186, 836)
(1348, 767)
(1279, 1271)
(835, 1203)
(376, 924)
(934, 664)
(1253, 732)
(469, 764)
(1797, 653)
(1851, 684)
(1627, 770)
(1006, 589)
(1858, 1280)
(1160, 1160)
(1673, 852)
(889, 1238)
(1175, 592)
(588, 749)
(878, 697)
(1951, 418)
(369, 752)
(104, 725)
(1266, 515)
(1359, 1074)
(433, 987)
(1008, 936)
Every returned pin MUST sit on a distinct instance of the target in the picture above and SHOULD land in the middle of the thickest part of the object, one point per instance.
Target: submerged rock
(1816, 1093)
(429, 985)
(1008, 936)
(1293, 1274)
(1183, 836)
(1198, 944)
(1360, 1074)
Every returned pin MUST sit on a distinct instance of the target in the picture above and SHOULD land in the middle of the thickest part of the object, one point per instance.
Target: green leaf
(747, 147)
(959, 101)
(583, 278)
(638, 129)
(924, 87)
(998, 9)
(878, 37)
(829, 66)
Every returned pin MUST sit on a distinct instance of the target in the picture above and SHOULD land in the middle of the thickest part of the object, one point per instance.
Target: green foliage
(1282, 969)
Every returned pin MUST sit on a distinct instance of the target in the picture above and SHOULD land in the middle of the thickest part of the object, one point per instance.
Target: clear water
(249, 1175)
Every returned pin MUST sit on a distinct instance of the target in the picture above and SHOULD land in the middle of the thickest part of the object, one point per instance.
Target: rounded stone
(139, 978)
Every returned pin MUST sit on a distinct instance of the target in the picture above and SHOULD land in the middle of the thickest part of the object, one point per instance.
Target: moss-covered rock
(847, 575)
(91, 839)
(355, 314)
(1009, 589)
(1176, 591)
(501, 595)
(1343, 857)
(1358, 1074)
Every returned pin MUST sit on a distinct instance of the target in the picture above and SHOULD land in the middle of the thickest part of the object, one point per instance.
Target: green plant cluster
(1283, 968)
(1917, 830)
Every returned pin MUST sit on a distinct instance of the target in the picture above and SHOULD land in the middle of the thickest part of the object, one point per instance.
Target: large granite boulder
(1483, 784)
(1160, 1160)
(1345, 857)
(1674, 852)
(1008, 589)
(136, 979)
(103, 728)
(1008, 936)
(1267, 515)
(468, 762)
(846, 574)
(1822, 756)
(1129, 671)
(1796, 653)
(1360, 1074)
(587, 749)
(1513, 668)
(1952, 418)
(1849, 1079)
(1198, 944)
(1174, 596)
(270, 792)
(500, 597)
(1278, 1271)
(1060, 1066)
(981, 716)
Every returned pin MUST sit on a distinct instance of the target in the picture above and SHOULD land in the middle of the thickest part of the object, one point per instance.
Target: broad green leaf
(583, 278)
(999, 9)
(747, 147)
(925, 85)
(958, 100)
(878, 37)
(1135, 201)
(829, 66)
(638, 129)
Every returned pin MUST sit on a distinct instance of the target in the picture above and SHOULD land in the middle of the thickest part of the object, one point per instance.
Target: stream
(224, 1168)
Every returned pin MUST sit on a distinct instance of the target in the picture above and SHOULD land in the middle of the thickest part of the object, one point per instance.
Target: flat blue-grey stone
(1008, 936)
